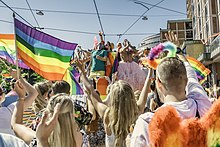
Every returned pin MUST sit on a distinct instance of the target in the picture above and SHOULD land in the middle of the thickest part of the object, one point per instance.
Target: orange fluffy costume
(167, 129)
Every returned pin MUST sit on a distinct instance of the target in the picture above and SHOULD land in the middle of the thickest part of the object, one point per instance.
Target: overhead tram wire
(138, 20)
(16, 13)
(33, 14)
(5, 21)
(99, 19)
(83, 32)
(88, 13)
(171, 10)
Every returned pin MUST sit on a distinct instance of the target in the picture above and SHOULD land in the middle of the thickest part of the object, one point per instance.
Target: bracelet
(20, 99)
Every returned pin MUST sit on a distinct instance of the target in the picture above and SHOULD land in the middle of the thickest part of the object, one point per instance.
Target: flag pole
(17, 69)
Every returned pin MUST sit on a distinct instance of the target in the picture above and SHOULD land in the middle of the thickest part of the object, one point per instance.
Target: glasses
(3, 91)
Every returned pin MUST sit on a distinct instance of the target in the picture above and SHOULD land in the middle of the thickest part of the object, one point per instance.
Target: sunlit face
(119, 45)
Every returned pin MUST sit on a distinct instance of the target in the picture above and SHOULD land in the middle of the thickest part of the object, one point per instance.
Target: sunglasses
(3, 91)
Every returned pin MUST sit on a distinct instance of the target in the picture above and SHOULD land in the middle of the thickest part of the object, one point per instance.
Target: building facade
(149, 42)
(206, 24)
(182, 28)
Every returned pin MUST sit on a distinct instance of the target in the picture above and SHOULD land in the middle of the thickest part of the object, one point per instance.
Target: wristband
(20, 99)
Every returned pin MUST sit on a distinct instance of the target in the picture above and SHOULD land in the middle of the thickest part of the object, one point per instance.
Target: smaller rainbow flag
(200, 69)
(70, 77)
(7, 50)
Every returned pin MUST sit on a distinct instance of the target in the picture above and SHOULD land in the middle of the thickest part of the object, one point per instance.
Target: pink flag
(95, 42)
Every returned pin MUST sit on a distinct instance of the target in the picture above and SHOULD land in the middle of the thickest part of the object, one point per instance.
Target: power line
(162, 7)
(138, 20)
(84, 32)
(93, 33)
(16, 13)
(99, 18)
(88, 13)
(32, 13)
(65, 30)
(5, 21)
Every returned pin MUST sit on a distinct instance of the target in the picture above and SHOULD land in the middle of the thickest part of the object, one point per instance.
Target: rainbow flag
(7, 50)
(200, 69)
(70, 77)
(45, 54)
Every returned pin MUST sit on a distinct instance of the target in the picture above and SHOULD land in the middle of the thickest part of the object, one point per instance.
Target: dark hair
(61, 87)
(153, 85)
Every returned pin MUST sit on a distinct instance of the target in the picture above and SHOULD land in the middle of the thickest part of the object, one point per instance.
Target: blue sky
(157, 18)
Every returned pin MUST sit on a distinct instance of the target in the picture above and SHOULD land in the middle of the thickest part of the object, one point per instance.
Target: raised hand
(45, 127)
(13, 73)
(19, 89)
(80, 65)
(170, 36)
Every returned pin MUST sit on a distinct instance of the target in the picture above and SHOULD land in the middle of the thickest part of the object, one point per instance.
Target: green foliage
(29, 75)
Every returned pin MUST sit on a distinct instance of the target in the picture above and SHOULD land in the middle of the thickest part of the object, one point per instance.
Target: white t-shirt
(5, 119)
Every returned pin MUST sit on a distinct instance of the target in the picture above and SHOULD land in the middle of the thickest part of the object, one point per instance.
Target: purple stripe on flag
(79, 90)
(11, 59)
(43, 37)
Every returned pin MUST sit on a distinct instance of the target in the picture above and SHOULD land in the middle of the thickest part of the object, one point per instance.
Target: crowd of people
(135, 96)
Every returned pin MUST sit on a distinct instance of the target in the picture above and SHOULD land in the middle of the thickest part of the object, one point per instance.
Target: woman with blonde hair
(57, 127)
(40, 102)
(122, 111)
(32, 114)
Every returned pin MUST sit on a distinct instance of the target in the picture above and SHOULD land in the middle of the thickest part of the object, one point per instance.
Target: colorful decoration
(152, 61)
(69, 77)
(167, 129)
(200, 69)
(45, 54)
(155, 52)
(7, 50)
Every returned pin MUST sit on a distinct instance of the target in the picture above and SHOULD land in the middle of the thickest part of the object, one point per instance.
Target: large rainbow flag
(7, 50)
(43, 53)
(70, 77)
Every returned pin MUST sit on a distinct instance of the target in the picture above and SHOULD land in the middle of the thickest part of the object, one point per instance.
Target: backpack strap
(197, 110)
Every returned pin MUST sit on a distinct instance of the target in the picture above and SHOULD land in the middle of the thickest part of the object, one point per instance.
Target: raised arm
(95, 98)
(21, 131)
(31, 91)
(194, 89)
(144, 93)
(101, 38)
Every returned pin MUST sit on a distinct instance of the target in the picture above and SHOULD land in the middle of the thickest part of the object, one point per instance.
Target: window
(207, 29)
(188, 25)
(214, 24)
(206, 13)
(189, 34)
(181, 34)
(214, 6)
(181, 26)
(172, 26)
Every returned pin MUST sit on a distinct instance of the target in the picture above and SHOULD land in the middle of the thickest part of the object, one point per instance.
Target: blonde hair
(63, 134)
(123, 111)
(40, 102)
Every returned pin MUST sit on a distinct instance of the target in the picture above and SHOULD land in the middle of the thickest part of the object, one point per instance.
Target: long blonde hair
(40, 102)
(64, 132)
(123, 111)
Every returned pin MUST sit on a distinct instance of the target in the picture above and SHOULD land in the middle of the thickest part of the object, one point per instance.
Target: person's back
(5, 115)
(171, 80)
(7, 140)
